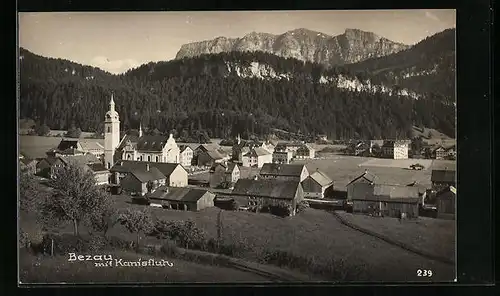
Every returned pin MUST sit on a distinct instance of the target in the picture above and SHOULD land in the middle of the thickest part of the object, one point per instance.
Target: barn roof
(446, 176)
(321, 178)
(275, 169)
(266, 188)
(256, 152)
(215, 155)
(145, 176)
(151, 143)
(67, 143)
(366, 175)
(395, 191)
(97, 167)
(91, 145)
(125, 166)
(178, 194)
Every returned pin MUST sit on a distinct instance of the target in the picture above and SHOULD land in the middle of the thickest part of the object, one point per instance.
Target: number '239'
(424, 272)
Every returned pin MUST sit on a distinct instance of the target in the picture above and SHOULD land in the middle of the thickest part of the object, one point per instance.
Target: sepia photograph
(255, 147)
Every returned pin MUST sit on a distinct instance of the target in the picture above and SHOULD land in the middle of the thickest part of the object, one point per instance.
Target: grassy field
(314, 233)
(433, 236)
(342, 169)
(58, 269)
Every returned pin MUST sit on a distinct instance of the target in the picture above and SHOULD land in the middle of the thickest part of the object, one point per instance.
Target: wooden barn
(446, 202)
(317, 185)
(385, 200)
(443, 178)
(186, 199)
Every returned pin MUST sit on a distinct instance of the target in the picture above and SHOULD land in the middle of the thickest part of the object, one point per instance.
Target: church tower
(111, 134)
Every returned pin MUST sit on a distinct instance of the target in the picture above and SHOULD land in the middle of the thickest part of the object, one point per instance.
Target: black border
(474, 102)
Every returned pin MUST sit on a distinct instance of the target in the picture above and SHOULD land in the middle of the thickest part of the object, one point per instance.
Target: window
(109, 129)
(149, 157)
(140, 158)
(157, 159)
(128, 156)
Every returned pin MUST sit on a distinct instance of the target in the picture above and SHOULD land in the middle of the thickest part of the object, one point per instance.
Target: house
(92, 163)
(365, 178)
(186, 155)
(317, 185)
(224, 173)
(100, 172)
(305, 152)
(446, 198)
(442, 152)
(175, 174)
(153, 149)
(277, 171)
(395, 149)
(385, 199)
(209, 157)
(28, 165)
(46, 167)
(442, 178)
(139, 181)
(77, 146)
(187, 199)
(283, 157)
(258, 193)
(269, 146)
(257, 157)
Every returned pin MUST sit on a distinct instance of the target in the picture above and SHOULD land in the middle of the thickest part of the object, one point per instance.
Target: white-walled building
(257, 157)
(136, 148)
(395, 149)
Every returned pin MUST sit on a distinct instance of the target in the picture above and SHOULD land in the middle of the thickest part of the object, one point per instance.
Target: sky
(118, 41)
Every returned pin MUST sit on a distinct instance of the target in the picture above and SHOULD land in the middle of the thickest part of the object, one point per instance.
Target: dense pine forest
(196, 95)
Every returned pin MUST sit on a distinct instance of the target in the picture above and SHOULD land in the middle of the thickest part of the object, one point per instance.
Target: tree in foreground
(75, 196)
(104, 216)
(137, 222)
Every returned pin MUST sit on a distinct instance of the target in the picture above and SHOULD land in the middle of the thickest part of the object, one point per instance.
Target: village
(250, 175)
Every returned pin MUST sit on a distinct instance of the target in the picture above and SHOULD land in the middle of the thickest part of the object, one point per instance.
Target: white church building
(138, 148)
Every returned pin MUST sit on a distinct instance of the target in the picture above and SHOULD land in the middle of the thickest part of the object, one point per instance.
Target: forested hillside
(194, 95)
(427, 67)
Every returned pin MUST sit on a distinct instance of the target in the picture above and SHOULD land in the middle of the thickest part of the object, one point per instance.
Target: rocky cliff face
(306, 45)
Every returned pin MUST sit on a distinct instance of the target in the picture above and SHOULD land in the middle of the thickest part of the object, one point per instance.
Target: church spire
(140, 129)
(112, 103)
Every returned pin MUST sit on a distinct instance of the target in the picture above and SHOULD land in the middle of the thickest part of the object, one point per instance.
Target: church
(138, 148)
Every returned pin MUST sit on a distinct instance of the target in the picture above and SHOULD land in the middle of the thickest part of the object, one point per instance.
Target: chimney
(147, 167)
(140, 130)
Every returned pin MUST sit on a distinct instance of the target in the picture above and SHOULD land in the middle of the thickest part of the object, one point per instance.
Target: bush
(97, 243)
(302, 206)
(281, 209)
(185, 233)
(169, 248)
(64, 244)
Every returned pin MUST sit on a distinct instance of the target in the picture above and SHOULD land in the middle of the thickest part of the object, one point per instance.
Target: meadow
(313, 233)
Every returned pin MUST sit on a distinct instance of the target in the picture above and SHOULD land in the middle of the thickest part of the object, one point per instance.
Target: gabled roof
(443, 176)
(71, 151)
(266, 188)
(256, 152)
(228, 167)
(366, 175)
(276, 169)
(67, 143)
(184, 147)
(80, 159)
(91, 145)
(145, 176)
(395, 191)
(97, 167)
(321, 178)
(215, 155)
(125, 166)
(305, 148)
(151, 143)
(178, 194)
(133, 139)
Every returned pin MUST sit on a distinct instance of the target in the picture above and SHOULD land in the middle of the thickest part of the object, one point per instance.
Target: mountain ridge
(353, 45)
